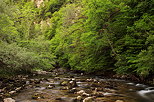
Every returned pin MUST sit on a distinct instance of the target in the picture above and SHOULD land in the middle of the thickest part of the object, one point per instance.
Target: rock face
(9, 100)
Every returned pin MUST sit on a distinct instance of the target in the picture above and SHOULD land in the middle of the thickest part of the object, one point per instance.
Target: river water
(50, 89)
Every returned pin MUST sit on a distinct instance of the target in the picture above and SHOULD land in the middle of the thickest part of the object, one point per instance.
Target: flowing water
(102, 90)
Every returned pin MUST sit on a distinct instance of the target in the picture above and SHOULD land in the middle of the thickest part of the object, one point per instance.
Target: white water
(147, 93)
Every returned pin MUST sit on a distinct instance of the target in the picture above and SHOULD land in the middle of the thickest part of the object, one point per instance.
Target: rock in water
(79, 98)
(64, 83)
(119, 101)
(88, 99)
(72, 83)
(80, 92)
(9, 100)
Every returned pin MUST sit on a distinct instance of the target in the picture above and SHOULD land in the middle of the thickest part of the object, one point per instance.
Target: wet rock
(73, 90)
(57, 78)
(37, 96)
(18, 88)
(119, 101)
(109, 94)
(89, 80)
(88, 99)
(9, 100)
(50, 86)
(1, 90)
(27, 82)
(12, 92)
(97, 93)
(32, 80)
(79, 98)
(140, 85)
(110, 90)
(93, 84)
(64, 83)
(37, 81)
(80, 92)
(64, 88)
(72, 83)
(50, 80)
(85, 94)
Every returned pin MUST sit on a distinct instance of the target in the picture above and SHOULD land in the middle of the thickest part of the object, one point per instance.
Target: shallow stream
(50, 89)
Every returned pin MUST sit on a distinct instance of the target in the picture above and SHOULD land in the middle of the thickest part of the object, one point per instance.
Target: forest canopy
(85, 35)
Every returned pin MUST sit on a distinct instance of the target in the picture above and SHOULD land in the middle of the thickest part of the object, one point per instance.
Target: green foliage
(17, 58)
(88, 35)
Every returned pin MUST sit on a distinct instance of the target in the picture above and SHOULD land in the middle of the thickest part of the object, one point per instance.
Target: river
(59, 89)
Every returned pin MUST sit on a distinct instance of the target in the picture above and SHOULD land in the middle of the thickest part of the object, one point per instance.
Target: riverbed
(75, 88)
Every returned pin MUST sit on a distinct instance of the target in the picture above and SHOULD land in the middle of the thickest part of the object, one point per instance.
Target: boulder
(9, 100)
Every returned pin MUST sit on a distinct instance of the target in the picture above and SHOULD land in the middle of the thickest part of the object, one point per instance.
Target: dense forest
(83, 35)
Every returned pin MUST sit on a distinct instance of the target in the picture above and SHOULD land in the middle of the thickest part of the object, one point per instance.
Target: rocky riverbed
(73, 87)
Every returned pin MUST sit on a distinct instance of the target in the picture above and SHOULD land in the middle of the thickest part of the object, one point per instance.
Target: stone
(57, 78)
(79, 98)
(27, 82)
(85, 94)
(50, 87)
(12, 92)
(72, 84)
(64, 88)
(64, 83)
(72, 90)
(119, 101)
(80, 92)
(88, 99)
(9, 100)
(18, 88)
(81, 74)
(37, 95)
